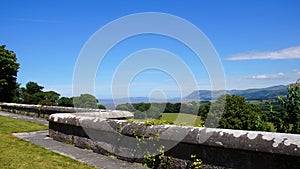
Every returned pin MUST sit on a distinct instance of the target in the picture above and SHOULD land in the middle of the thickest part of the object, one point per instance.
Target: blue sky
(258, 42)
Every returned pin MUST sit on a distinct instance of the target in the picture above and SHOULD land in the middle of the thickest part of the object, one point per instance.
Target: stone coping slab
(266, 142)
(113, 114)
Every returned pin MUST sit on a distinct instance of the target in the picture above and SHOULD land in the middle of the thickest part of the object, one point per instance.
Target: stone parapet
(45, 111)
(217, 147)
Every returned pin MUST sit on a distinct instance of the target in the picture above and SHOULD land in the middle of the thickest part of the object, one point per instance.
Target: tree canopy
(237, 114)
(155, 110)
(48, 98)
(33, 93)
(86, 101)
(65, 102)
(33, 88)
(290, 119)
(8, 76)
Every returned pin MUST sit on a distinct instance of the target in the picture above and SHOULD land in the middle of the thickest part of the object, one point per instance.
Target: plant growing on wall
(196, 162)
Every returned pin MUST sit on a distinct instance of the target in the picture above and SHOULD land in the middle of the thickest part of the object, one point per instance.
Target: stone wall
(217, 147)
(46, 111)
(100, 131)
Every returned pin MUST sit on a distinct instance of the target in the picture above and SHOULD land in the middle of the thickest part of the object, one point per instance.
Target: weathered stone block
(216, 147)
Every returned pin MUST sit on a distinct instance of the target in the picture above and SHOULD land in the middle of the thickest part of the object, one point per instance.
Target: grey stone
(220, 147)
(217, 147)
(87, 156)
(41, 110)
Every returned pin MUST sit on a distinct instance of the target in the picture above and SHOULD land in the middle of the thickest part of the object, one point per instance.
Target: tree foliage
(86, 101)
(100, 106)
(290, 120)
(33, 88)
(33, 93)
(204, 108)
(49, 98)
(237, 114)
(65, 102)
(143, 110)
(8, 75)
(126, 107)
(172, 108)
(155, 110)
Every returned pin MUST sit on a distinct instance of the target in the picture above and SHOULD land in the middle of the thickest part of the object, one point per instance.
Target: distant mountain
(112, 103)
(250, 94)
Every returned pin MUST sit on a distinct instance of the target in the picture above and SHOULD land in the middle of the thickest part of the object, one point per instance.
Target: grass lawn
(173, 118)
(16, 153)
(182, 119)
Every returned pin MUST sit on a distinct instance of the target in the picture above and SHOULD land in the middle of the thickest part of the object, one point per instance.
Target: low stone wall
(217, 147)
(46, 111)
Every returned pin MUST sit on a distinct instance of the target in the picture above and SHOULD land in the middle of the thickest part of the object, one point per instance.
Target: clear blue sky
(258, 41)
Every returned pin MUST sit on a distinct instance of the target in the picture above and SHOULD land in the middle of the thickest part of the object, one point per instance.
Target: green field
(16, 153)
(182, 119)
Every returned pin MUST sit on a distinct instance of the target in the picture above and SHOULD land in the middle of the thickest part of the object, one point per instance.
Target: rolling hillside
(250, 94)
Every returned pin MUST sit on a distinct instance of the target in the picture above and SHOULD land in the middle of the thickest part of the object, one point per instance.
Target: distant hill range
(205, 95)
(112, 103)
(250, 94)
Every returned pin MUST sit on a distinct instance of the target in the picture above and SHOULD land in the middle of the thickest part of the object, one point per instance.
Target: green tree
(33, 88)
(153, 112)
(49, 98)
(126, 107)
(204, 109)
(292, 105)
(65, 102)
(100, 106)
(86, 101)
(141, 106)
(140, 115)
(27, 98)
(237, 114)
(172, 108)
(32, 93)
(279, 120)
(8, 76)
(189, 109)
